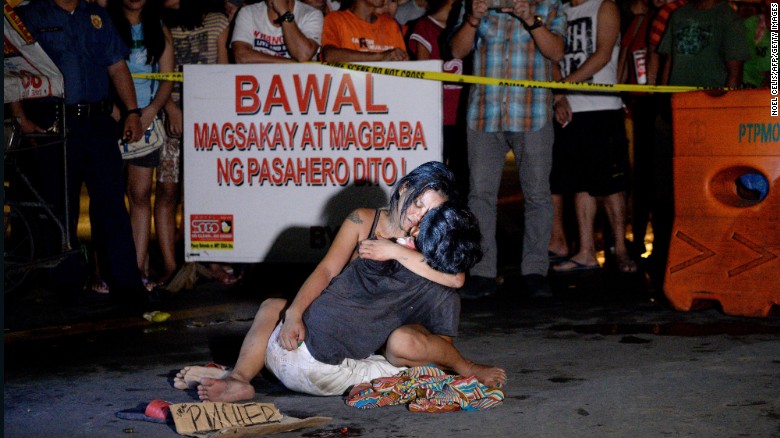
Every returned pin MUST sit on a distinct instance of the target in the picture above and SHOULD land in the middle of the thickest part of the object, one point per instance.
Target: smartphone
(500, 4)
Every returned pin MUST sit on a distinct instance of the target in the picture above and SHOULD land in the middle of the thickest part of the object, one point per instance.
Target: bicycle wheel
(19, 250)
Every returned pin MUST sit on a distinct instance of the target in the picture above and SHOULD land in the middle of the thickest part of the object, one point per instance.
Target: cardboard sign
(277, 156)
(200, 418)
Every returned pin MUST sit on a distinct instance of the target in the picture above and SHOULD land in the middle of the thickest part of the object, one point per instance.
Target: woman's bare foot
(228, 389)
(489, 376)
(190, 377)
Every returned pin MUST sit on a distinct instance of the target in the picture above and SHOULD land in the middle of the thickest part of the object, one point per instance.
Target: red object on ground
(158, 409)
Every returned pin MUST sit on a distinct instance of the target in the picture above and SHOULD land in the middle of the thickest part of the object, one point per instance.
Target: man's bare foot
(190, 377)
(228, 389)
(489, 376)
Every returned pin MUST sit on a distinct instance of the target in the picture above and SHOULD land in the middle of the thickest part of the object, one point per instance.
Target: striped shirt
(658, 27)
(197, 46)
(504, 49)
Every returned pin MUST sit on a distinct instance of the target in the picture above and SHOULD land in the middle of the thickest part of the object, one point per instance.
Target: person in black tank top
(423, 189)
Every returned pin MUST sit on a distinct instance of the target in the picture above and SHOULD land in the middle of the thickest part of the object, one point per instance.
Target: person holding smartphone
(519, 43)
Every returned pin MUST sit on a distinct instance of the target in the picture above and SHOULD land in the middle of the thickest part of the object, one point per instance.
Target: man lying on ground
(370, 304)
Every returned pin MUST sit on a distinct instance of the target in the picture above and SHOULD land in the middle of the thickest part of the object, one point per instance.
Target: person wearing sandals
(69, 31)
(590, 153)
(139, 23)
(199, 37)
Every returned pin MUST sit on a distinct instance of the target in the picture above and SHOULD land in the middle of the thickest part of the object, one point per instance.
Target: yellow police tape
(173, 77)
(469, 79)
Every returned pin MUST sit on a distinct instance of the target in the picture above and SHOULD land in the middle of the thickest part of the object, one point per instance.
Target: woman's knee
(407, 342)
(166, 195)
(139, 196)
(272, 306)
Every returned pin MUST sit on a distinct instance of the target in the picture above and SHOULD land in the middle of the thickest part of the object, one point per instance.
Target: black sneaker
(536, 286)
(477, 287)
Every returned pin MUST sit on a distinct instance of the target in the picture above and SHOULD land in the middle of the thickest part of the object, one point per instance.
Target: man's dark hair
(449, 238)
(432, 175)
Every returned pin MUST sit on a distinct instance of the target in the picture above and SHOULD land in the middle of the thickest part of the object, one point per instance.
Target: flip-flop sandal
(149, 284)
(99, 286)
(224, 274)
(576, 266)
(556, 258)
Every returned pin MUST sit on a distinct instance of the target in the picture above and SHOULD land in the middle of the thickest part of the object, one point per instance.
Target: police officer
(81, 40)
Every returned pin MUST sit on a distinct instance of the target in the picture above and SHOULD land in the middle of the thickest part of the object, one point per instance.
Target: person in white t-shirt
(276, 31)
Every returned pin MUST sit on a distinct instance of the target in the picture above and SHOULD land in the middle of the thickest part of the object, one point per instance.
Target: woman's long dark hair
(151, 16)
(189, 16)
(432, 175)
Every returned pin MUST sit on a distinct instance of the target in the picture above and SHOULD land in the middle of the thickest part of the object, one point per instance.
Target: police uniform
(83, 44)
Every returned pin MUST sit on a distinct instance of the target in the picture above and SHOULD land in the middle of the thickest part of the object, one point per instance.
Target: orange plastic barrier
(725, 245)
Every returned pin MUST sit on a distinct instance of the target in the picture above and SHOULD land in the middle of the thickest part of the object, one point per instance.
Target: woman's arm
(354, 228)
(222, 45)
(412, 260)
(164, 92)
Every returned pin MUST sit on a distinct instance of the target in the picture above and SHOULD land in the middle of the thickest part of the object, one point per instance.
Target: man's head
(449, 239)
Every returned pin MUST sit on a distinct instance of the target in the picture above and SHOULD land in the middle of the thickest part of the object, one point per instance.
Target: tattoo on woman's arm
(354, 217)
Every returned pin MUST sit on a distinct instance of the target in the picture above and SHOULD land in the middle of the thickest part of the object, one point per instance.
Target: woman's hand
(147, 117)
(292, 332)
(381, 249)
(175, 122)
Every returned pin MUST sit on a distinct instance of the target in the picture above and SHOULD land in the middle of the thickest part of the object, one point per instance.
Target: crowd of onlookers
(571, 148)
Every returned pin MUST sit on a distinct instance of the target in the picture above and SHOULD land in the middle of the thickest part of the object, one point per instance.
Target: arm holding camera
(549, 43)
(463, 41)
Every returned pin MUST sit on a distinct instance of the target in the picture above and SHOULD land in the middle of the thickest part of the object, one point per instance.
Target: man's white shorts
(301, 372)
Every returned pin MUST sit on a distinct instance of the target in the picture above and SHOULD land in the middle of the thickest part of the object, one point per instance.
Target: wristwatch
(287, 17)
(537, 23)
(133, 111)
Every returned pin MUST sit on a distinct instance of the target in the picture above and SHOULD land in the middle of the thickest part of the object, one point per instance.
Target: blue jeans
(533, 155)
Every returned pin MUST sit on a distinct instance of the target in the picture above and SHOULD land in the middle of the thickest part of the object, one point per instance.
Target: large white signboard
(276, 156)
